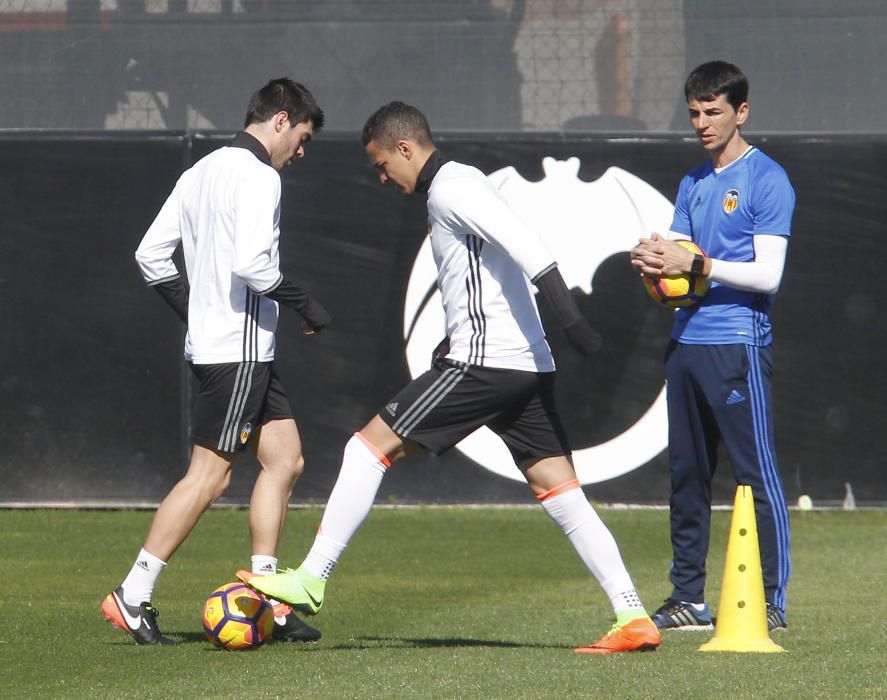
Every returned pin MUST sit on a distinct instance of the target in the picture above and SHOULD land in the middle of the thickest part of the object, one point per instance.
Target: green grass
(430, 603)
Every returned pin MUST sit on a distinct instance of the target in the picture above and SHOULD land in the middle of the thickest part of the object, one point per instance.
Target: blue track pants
(722, 393)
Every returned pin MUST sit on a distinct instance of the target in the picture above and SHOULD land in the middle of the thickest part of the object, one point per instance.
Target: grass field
(430, 603)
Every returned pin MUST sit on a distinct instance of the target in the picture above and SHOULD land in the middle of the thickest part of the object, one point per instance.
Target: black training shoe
(675, 615)
(775, 618)
(290, 628)
(139, 621)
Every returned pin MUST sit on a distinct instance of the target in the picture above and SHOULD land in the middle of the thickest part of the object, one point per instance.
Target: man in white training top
(225, 213)
(494, 368)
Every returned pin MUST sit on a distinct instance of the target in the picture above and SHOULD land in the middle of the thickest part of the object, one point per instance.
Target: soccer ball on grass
(235, 617)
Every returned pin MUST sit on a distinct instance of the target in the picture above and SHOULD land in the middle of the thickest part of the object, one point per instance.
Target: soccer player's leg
(278, 449)
(129, 606)
(218, 434)
(554, 482)
(538, 443)
(364, 465)
(428, 413)
(279, 453)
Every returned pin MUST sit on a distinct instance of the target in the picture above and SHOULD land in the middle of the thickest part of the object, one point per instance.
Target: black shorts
(452, 400)
(234, 398)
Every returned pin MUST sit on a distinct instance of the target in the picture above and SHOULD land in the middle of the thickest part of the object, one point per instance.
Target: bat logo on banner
(582, 224)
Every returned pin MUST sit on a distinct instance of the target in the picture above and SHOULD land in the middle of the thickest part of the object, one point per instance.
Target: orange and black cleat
(139, 621)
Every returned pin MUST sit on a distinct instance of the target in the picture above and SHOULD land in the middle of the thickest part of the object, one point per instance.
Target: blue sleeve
(773, 203)
(681, 221)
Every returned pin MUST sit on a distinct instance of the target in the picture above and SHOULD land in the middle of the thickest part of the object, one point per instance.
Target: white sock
(138, 586)
(627, 600)
(324, 555)
(263, 564)
(595, 545)
(348, 506)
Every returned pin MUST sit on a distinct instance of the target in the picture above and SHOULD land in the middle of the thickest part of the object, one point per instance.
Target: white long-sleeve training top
(485, 257)
(225, 211)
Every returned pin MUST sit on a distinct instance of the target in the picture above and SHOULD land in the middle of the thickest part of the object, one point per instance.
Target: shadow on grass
(124, 639)
(357, 643)
(189, 637)
(437, 643)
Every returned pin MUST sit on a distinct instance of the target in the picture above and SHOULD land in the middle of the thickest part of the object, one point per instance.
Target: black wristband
(698, 264)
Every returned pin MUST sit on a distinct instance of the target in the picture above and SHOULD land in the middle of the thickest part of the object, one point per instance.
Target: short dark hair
(284, 95)
(395, 121)
(715, 78)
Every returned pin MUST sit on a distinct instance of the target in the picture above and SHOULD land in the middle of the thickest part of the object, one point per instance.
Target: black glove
(441, 351)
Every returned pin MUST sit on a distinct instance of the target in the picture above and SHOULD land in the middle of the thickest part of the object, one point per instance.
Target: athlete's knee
(209, 473)
(220, 486)
(296, 467)
(287, 467)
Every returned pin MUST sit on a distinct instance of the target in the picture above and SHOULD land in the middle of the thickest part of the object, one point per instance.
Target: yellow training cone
(742, 612)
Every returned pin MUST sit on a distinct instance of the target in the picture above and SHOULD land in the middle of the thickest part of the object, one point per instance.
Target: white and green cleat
(297, 587)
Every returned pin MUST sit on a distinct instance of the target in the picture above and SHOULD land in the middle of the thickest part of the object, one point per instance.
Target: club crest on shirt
(583, 224)
(731, 201)
(245, 433)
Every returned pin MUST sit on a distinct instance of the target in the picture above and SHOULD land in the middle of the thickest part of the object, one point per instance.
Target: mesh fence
(531, 65)
(612, 64)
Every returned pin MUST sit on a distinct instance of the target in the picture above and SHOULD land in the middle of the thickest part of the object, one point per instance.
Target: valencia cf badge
(244, 433)
(731, 201)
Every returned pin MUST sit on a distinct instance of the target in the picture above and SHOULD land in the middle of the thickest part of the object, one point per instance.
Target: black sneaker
(290, 628)
(139, 621)
(675, 615)
(775, 618)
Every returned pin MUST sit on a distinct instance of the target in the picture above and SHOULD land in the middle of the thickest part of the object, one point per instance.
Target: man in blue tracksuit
(718, 369)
